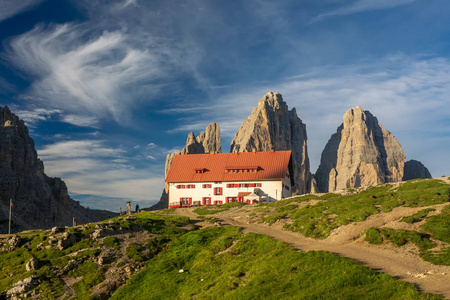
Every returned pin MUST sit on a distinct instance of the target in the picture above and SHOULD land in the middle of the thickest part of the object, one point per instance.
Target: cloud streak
(10, 8)
(360, 6)
(89, 74)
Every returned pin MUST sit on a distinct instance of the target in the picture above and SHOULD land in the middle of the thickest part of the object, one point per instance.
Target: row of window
(230, 185)
(183, 186)
(286, 186)
(241, 171)
(238, 185)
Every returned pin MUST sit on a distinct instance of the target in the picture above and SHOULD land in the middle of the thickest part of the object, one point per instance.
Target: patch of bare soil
(399, 262)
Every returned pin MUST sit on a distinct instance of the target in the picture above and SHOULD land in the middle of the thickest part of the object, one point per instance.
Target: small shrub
(133, 252)
(373, 236)
(417, 217)
(111, 241)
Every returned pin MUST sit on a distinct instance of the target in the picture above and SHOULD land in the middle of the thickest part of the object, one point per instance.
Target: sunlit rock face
(39, 201)
(360, 153)
(272, 126)
(207, 141)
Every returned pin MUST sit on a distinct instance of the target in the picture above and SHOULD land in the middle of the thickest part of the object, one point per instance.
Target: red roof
(270, 165)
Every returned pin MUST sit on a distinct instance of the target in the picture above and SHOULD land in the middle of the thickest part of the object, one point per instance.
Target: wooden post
(10, 208)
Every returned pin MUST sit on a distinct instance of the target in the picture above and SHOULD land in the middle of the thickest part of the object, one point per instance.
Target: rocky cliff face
(415, 169)
(39, 201)
(360, 153)
(272, 126)
(207, 141)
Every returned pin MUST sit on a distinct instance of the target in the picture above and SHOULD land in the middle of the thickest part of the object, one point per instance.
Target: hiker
(128, 208)
(137, 208)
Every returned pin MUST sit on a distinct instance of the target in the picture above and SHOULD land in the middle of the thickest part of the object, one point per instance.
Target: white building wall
(269, 191)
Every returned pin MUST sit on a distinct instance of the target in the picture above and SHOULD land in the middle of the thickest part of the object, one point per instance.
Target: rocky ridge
(360, 153)
(106, 246)
(39, 201)
(415, 169)
(207, 141)
(272, 126)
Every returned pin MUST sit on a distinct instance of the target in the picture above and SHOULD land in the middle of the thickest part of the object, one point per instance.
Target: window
(185, 201)
(181, 186)
(191, 186)
(217, 182)
(206, 200)
(218, 191)
(206, 186)
(217, 202)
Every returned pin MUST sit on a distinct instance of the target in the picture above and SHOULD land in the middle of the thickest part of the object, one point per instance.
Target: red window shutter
(220, 191)
(190, 201)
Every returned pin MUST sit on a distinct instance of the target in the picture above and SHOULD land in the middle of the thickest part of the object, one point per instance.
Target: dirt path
(346, 241)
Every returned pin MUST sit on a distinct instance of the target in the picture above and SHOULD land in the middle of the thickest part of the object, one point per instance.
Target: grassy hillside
(164, 256)
(223, 263)
(330, 211)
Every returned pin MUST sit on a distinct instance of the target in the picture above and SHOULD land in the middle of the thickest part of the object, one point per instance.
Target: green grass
(273, 218)
(246, 271)
(439, 225)
(399, 237)
(111, 242)
(133, 252)
(210, 210)
(166, 229)
(333, 211)
(402, 237)
(418, 216)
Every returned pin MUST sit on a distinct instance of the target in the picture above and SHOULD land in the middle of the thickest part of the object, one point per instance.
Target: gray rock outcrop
(32, 264)
(415, 169)
(207, 141)
(39, 201)
(272, 126)
(361, 153)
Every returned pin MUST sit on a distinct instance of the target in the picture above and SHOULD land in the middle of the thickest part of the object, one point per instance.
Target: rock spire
(272, 126)
(360, 153)
(207, 141)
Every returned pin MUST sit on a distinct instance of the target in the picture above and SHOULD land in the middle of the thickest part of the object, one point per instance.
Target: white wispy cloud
(78, 148)
(362, 6)
(90, 167)
(10, 8)
(87, 73)
(31, 117)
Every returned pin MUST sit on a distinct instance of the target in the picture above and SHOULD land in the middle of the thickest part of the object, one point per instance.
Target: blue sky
(108, 88)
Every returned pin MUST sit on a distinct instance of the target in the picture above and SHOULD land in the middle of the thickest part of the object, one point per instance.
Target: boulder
(68, 240)
(13, 242)
(32, 264)
(23, 286)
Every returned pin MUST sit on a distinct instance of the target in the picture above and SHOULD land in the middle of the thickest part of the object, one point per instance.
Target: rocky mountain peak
(39, 201)
(272, 126)
(360, 153)
(207, 141)
(415, 169)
